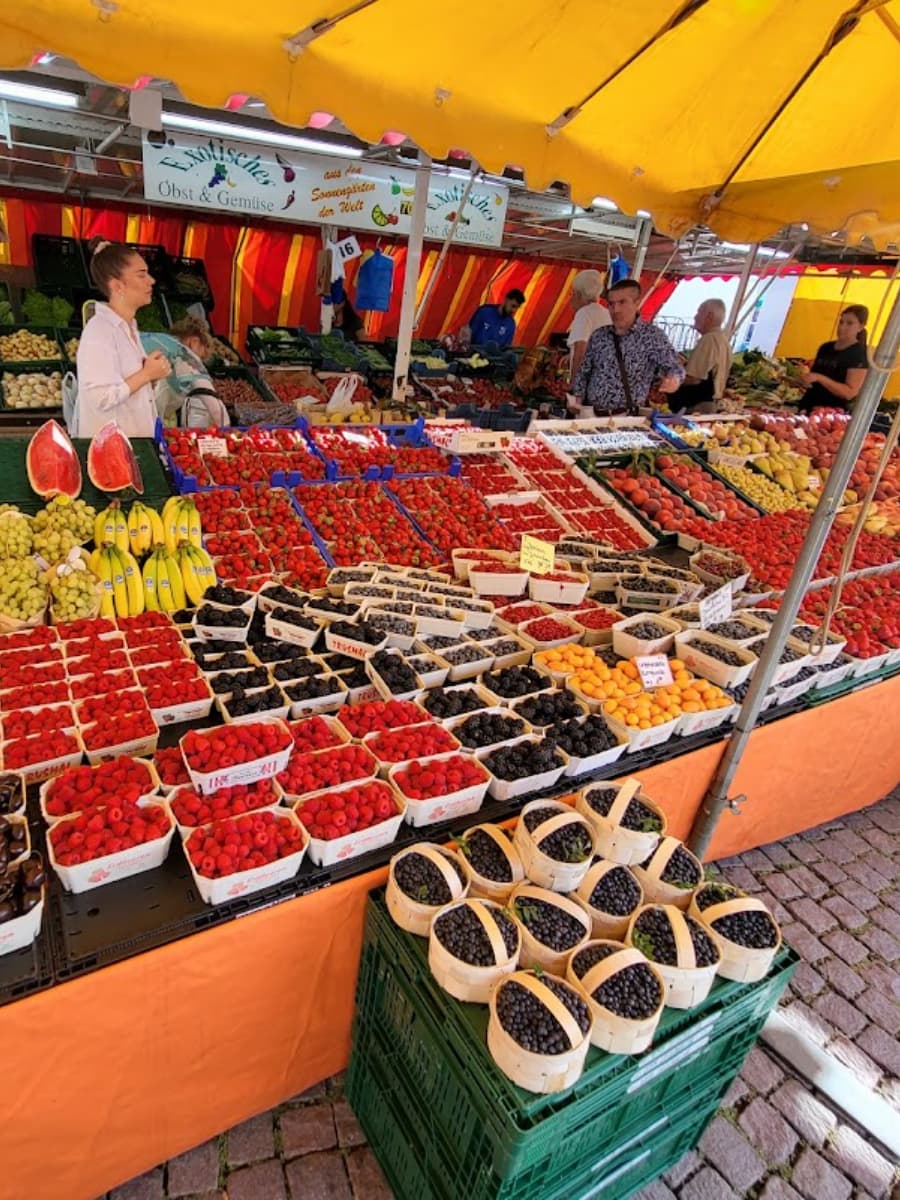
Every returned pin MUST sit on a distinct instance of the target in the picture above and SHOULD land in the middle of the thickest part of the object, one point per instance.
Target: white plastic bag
(342, 397)
(70, 403)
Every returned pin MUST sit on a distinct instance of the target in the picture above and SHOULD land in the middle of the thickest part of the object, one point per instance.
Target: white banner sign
(193, 171)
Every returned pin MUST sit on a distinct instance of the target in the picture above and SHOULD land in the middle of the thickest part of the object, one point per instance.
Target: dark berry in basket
(11, 794)
(230, 618)
(355, 676)
(733, 631)
(607, 655)
(288, 597)
(511, 682)
(184, 616)
(423, 663)
(295, 669)
(373, 591)
(403, 607)
(634, 992)
(434, 641)
(485, 857)
(458, 655)
(461, 932)
(648, 631)
(652, 935)
(583, 738)
(530, 1024)
(589, 956)
(445, 589)
(486, 729)
(232, 660)
(293, 616)
(228, 597)
(213, 646)
(637, 816)
(271, 650)
(21, 887)
(524, 760)
(389, 623)
(230, 681)
(344, 575)
(241, 704)
(432, 610)
(337, 608)
(420, 879)
(648, 584)
(469, 605)
(313, 688)
(548, 923)
(682, 870)
(548, 708)
(755, 930)
(503, 647)
(688, 613)
(13, 840)
(362, 631)
(617, 893)
(487, 635)
(570, 844)
(715, 893)
(721, 653)
(444, 703)
(395, 671)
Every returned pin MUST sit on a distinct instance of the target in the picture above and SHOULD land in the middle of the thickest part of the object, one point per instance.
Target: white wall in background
(763, 326)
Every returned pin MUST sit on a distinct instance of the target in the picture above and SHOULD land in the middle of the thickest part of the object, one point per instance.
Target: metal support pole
(716, 799)
(764, 283)
(411, 276)
(451, 233)
(741, 292)
(643, 243)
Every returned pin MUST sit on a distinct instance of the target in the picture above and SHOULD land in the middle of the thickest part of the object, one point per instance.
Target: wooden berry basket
(410, 914)
(542, 1073)
(540, 867)
(743, 964)
(612, 841)
(611, 1032)
(535, 954)
(489, 889)
(687, 985)
(604, 924)
(462, 980)
(656, 890)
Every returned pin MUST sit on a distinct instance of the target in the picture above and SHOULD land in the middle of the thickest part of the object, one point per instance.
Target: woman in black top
(840, 366)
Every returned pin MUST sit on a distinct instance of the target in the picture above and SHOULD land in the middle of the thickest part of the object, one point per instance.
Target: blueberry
(461, 932)
(420, 879)
(529, 1023)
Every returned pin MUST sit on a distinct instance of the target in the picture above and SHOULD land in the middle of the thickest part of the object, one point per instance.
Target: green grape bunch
(16, 537)
(73, 596)
(61, 525)
(22, 593)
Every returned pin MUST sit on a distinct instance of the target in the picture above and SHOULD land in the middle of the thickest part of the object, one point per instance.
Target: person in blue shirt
(496, 322)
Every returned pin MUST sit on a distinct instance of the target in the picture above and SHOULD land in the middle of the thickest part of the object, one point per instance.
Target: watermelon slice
(111, 464)
(52, 464)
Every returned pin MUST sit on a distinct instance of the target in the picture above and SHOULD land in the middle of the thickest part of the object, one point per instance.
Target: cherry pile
(637, 816)
(617, 893)
(418, 878)
(634, 992)
(243, 843)
(530, 1024)
(427, 778)
(486, 729)
(121, 780)
(109, 829)
(348, 811)
(755, 930)
(652, 935)
(523, 760)
(549, 924)
(11, 794)
(461, 932)
(190, 808)
(13, 840)
(485, 856)
(570, 844)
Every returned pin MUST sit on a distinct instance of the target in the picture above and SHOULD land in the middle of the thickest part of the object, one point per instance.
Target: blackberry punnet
(421, 880)
(222, 617)
(444, 703)
(228, 597)
(388, 623)
(721, 653)
(288, 597)
(548, 708)
(293, 616)
(583, 739)
(270, 650)
(396, 673)
(241, 703)
(461, 932)
(312, 688)
(529, 1023)
(486, 858)
(434, 641)
(211, 646)
(637, 816)
(652, 935)
(363, 631)
(295, 669)
(457, 655)
(549, 924)
(649, 585)
(487, 635)
(486, 729)
(523, 760)
(230, 681)
(734, 631)
(617, 893)
(503, 646)
(355, 676)
(570, 844)
(337, 608)
(511, 682)
(232, 660)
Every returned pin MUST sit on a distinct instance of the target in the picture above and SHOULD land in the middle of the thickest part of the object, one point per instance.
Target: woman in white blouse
(115, 380)
(589, 315)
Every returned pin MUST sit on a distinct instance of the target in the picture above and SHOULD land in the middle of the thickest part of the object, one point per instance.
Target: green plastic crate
(438, 1046)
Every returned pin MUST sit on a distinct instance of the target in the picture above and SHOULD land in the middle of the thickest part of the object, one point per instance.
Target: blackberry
(486, 729)
(228, 597)
(549, 924)
(241, 704)
(512, 682)
(461, 932)
(233, 660)
(444, 703)
(211, 646)
(617, 893)
(295, 669)
(755, 930)
(530, 1024)
(388, 623)
(184, 616)
(486, 857)
(421, 880)
(721, 653)
(362, 631)
(337, 608)
(285, 596)
(570, 844)
(582, 738)
(232, 681)
(293, 616)
(423, 663)
(313, 688)
(222, 617)
(10, 793)
(463, 654)
(355, 677)
(654, 938)
(338, 662)
(435, 642)
(637, 816)
(396, 673)
(271, 650)
(345, 575)
(648, 631)
(734, 631)
(523, 760)
(548, 708)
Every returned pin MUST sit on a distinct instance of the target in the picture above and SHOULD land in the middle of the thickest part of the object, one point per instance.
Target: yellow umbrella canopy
(743, 114)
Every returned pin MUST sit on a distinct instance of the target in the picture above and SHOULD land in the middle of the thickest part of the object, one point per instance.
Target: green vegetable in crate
(7, 316)
(62, 525)
(16, 537)
(22, 594)
(39, 309)
(25, 346)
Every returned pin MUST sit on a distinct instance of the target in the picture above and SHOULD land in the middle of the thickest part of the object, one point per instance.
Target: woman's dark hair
(108, 261)
(862, 315)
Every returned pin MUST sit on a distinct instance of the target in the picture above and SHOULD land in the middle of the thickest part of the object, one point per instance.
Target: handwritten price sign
(654, 671)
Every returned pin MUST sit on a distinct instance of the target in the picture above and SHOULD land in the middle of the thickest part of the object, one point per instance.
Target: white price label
(348, 249)
(214, 447)
(654, 670)
(716, 607)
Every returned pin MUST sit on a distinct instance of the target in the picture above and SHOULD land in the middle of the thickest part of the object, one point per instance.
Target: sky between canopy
(744, 114)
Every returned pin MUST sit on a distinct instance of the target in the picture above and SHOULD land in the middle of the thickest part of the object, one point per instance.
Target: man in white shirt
(707, 368)
(589, 315)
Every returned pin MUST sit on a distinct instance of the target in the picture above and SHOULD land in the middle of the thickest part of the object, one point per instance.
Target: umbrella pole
(742, 291)
(411, 277)
(451, 233)
(716, 799)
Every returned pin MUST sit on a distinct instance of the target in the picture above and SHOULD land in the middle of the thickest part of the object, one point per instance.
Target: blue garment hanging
(374, 281)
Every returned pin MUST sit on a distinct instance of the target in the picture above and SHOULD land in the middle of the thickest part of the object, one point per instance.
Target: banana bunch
(111, 527)
(121, 592)
(181, 523)
(197, 571)
(145, 529)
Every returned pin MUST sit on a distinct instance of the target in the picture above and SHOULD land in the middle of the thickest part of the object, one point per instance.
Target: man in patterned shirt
(625, 359)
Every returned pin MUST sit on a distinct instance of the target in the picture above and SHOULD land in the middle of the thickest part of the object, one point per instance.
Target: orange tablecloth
(115, 1072)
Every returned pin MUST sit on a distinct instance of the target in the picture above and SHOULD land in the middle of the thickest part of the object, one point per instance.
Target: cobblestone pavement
(836, 890)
